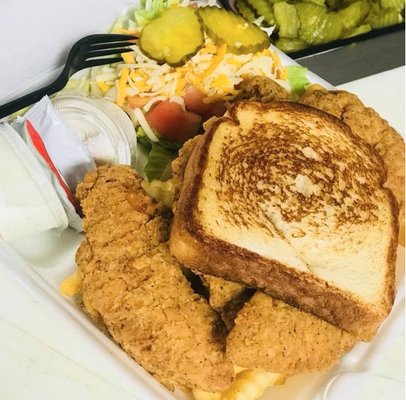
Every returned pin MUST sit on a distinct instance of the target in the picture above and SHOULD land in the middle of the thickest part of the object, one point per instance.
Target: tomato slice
(194, 102)
(171, 122)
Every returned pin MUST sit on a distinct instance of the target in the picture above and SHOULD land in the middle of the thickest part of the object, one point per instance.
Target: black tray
(354, 58)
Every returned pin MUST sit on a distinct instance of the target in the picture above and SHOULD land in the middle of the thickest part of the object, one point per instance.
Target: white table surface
(42, 358)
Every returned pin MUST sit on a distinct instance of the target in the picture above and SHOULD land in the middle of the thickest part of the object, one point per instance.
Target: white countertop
(42, 357)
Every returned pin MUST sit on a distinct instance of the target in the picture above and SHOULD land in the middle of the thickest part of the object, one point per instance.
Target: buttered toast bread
(284, 198)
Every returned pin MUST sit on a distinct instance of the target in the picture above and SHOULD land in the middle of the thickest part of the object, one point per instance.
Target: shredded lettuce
(166, 144)
(79, 84)
(160, 156)
(297, 79)
(158, 161)
(160, 190)
(150, 9)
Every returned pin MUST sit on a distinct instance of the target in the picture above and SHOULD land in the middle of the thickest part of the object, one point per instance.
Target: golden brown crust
(226, 297)
(366, 123)
(273, 336)
(263, 89)
(193, 247)
(179, 166)
(135, 289)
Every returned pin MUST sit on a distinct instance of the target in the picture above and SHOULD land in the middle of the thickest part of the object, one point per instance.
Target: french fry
(249, 384)
(202, 395)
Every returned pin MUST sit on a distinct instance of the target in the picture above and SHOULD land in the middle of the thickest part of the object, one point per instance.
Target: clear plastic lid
(125, 123)
(28, 201)
(102, 132)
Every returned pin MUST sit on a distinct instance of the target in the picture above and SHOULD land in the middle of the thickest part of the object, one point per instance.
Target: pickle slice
(264, 9)
(240, 35)
(358, 31)
(287, 19)
(290, 45)
(386, 18)
(173, 37)
(318, 2)
(312, 18)
(331, 31)
(398, 5)
(245, 10)
(355, 13)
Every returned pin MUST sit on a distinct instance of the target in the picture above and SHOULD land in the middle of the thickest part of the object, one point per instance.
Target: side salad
(186, 66)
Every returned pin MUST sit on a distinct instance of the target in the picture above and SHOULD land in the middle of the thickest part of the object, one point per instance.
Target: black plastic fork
(87, 52)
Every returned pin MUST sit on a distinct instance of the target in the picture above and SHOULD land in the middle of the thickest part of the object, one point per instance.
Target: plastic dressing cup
(105, 129)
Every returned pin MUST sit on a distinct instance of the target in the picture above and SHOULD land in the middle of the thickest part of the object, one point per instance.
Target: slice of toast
(284, 198)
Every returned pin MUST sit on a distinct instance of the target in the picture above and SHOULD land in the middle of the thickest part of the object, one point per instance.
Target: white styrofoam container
(42, 261)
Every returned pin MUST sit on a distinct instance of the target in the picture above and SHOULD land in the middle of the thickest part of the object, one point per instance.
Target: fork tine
(102, 40)
(107, 52)
(105, 46)
(108, 38)
(101, 61)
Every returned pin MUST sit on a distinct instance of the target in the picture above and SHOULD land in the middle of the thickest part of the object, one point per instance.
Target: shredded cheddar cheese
(214, 71)
(216, 60)
(104, 87)
(122, 87)
(71, 285)
(128, 58)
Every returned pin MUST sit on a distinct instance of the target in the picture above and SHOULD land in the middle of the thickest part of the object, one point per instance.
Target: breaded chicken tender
(274, 336)
(179, 166)
(263, 89)
(366, 123)
(221, 292)
(226, 297)
(133, 287)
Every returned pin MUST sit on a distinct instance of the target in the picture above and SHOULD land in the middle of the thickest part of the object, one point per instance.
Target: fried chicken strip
(263, 89)
(274, 336)
(226, 297)
(270, 335)
(366, 123)
(134, 288)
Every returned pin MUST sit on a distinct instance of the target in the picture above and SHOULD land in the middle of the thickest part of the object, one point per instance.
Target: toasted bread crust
(371, 127)
(193, 247)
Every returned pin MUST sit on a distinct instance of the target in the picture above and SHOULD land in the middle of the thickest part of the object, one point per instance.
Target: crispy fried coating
(135, 289)
(263, 89)
(274, 336)
(221, 291)
(179, 165)
(226, 297)
(366, 123)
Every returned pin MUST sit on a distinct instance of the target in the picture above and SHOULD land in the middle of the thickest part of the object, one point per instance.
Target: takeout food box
(44, 260)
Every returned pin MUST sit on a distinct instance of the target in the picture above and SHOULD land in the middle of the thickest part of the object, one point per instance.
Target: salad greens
(157, 156)
(297, 79)
(158, 160)
(149, 10)
(160, 155)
